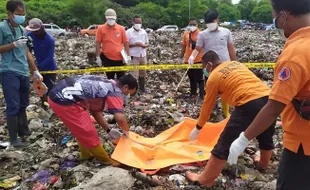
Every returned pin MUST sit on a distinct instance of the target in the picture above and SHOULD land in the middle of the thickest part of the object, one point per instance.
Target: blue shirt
(44, 50)
(14, 60)
(90, 92)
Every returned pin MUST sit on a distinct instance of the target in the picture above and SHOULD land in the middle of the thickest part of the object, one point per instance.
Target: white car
(54, 30)
(169, 28)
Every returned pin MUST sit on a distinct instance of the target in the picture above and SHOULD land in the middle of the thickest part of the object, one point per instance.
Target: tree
(179, 11)
(228, 12)
(262, 13)
(153, 15)
(246, 7)
(212, 4)
(229, 2)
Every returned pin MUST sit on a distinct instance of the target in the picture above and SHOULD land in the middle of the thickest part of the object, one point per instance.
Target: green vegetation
(155, 13)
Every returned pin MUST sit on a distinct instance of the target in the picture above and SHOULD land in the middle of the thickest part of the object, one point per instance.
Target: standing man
(188, 45)
(72, 100)
(44, 49)
(217, 39)
(289, 95)
(238, 86)
(138, 42)
(113, 39)
(14, 70)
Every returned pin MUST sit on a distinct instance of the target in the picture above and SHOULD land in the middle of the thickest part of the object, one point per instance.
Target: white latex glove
(98, 61)
(191, 60)
(126, 134)
(20, 43)
(236, 148)
(194, 134)
(114, 134)
(37, 75)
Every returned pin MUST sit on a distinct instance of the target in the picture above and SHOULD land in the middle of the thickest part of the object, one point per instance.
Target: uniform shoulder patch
(284, 74)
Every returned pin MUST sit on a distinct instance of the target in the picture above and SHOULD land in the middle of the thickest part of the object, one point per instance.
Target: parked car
(90, 31)
(54, 30)
(169, 28)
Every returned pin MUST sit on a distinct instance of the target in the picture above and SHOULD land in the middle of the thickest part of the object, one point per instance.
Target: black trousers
(49, 80)
(196, 78)
(239, 121)
(294, 170)
(111, 63)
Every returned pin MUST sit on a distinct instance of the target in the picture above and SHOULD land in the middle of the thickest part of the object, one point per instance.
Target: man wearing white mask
(217, 39)
(188, 45)
(138, 42)
(111, 39)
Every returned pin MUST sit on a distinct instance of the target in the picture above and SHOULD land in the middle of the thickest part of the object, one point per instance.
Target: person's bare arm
(100, 120)
(6, 48)
(264, 119)
(98, 48)
(121, 120)
(126, 45)
(182, 51)
(30, 60)
(232, 52)
(199, 49)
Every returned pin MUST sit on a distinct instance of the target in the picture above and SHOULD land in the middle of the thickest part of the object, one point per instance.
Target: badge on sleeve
(284, 74)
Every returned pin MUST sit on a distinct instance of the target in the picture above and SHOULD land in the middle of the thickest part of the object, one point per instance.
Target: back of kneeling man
(239, 87)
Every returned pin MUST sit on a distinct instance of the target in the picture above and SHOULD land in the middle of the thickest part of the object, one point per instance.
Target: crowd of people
(75, 100)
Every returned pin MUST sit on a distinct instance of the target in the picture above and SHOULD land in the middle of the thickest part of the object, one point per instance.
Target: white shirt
(217, 41)
(137, 37)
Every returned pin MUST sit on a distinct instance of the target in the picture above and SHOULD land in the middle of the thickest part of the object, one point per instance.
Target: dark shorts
(112, 63)
(240, 120)
(294, 170)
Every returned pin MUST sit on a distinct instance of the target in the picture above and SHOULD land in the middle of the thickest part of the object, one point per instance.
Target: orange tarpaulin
(170, 147)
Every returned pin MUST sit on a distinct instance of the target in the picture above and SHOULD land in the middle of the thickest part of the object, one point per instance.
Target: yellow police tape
(147, 67)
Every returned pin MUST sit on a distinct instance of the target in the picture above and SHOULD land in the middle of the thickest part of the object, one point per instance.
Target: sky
(235, 1)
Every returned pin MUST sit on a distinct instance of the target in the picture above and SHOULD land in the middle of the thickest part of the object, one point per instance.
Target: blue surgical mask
(19, 19)
(279, 30)
(205, 72)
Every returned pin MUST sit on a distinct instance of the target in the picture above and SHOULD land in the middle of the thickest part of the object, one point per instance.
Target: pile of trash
(51, 158)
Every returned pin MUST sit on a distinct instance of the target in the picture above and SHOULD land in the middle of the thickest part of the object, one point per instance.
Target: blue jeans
(16, 92)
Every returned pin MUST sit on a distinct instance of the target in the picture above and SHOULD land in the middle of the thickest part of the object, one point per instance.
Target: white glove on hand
(37, 75)
(98, 61)
(126, 134)
(20, 43)
(194, 134)
(236, 148)
(191, 60)
(114, 134)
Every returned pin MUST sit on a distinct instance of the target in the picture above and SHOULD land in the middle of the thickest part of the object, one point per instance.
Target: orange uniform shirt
(188, 50)
(292, 80)
(112, 40)
(236, 85)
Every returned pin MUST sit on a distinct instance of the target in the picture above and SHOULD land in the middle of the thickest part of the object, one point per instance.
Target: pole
(189, 9)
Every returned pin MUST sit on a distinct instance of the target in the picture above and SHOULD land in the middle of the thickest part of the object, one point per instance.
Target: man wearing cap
(44, 48)
(113, 39)
(14, 70)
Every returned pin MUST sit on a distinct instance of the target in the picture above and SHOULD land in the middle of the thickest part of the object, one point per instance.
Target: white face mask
(111, 22)
(137, 26)
(192, 28)
(212, 26)
(279, 30)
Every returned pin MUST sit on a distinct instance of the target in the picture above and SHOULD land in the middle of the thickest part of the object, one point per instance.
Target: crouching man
(73, 98)
(239, 87)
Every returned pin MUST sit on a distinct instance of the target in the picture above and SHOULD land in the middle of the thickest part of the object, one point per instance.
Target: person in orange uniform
(189, 44)
(239, 87)
(289, 96)
(113, 39)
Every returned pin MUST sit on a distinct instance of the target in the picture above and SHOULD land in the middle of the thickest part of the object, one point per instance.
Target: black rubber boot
(141, 84)
(23, 129)
(13, 122)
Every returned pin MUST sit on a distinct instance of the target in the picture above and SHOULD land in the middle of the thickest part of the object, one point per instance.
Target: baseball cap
(110, 13)
(34, 24)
